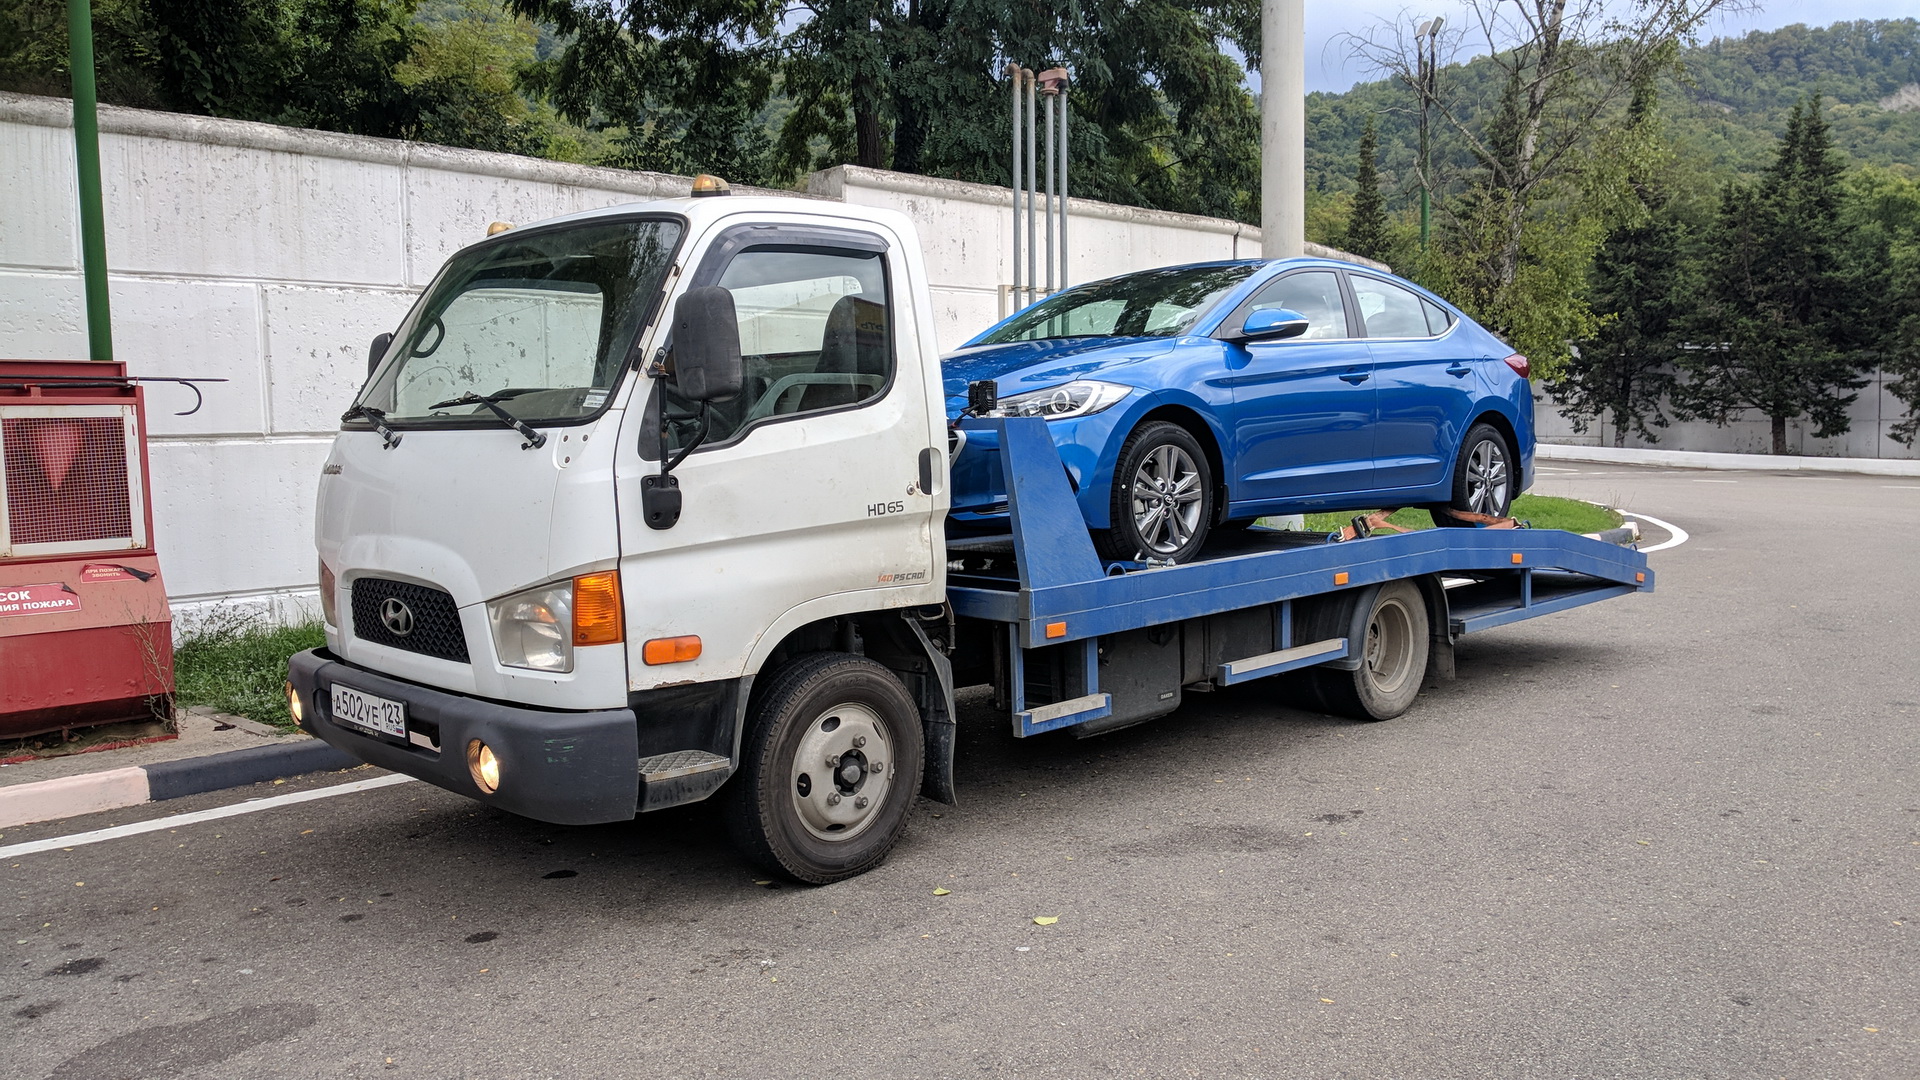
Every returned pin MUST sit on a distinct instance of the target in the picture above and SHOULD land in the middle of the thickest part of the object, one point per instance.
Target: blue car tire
(1163, 496)
(1484, 476)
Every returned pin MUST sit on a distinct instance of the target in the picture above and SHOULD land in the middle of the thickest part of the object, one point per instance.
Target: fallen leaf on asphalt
(1045, 920)
(1643, 843)
(1326, 1001)
(304, 832)
(942, 892)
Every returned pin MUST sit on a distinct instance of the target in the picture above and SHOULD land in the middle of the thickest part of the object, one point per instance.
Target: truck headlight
(534, 629)
(1082, 397)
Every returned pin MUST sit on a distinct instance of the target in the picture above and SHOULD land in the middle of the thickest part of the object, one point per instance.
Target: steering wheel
(770, 400)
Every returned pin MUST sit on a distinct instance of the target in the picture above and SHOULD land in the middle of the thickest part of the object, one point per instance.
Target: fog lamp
(484, 766)
(293, 705)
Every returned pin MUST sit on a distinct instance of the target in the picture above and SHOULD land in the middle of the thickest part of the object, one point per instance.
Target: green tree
(1639, 291)
(1367, 228)
(1777, 333)
(1161, 115)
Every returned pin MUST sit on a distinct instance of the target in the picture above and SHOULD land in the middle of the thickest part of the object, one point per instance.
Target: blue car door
(1303, 408)
(1425, 381)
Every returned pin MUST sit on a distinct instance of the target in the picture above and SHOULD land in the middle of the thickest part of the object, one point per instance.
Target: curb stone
(1699, 459)
(115, 789)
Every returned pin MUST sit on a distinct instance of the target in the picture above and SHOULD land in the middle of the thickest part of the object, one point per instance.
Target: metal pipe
(1063, 186)
(1050, 204)
(1013, 297)
(1033, 114)
(86, 155)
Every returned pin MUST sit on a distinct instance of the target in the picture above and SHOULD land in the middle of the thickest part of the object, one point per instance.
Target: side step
(1273, 663)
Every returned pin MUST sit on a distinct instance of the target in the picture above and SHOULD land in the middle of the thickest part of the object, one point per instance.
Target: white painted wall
(271, 256)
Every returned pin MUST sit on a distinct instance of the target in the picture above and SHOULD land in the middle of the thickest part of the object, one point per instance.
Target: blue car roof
(1268, 269)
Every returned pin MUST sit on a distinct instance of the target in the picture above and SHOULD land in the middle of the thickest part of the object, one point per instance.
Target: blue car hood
(1021, 366)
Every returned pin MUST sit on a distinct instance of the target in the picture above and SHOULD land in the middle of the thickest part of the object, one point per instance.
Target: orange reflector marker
(671, 650)
(1056, 629)
(1340, 578)
(1639, 576)
(596, 608)
(1518, 558)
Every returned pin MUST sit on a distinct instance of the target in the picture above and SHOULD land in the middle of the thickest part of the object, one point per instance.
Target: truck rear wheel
(829, 768)
(1393, 659)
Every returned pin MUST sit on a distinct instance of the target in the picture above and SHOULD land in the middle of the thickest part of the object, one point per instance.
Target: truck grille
(430, 621)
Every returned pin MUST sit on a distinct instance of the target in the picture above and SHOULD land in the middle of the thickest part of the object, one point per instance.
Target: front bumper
(571, 768)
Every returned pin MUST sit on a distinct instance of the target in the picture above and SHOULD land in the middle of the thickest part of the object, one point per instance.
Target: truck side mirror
(1272, 324)
(706, 345)
(377, 350)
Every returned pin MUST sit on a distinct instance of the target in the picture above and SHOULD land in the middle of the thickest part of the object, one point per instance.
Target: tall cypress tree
(1621, 376)
(1367, 229)
(1776, 329)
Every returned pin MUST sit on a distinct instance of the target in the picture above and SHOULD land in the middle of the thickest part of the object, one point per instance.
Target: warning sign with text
(37, 599)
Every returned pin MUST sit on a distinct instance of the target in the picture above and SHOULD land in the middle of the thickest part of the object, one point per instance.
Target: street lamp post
(1425, 44)
(86, 155)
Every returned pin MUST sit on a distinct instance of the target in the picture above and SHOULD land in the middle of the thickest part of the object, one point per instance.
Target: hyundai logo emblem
(396, 616)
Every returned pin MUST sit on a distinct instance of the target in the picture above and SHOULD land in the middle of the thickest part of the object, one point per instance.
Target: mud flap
(935, 697)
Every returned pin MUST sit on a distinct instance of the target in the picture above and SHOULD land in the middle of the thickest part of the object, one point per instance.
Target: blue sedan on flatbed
(1189, 397)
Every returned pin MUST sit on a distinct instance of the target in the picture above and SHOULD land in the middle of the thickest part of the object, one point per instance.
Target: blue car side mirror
(1272, 324)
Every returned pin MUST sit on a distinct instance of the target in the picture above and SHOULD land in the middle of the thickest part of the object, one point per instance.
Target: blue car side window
(1389, 310)
(1315, 294)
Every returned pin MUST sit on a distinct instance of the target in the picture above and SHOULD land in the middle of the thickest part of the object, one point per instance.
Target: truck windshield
(1152, 303)
(542, 319)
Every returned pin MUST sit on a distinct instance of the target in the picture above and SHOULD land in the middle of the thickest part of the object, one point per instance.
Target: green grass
(241, 669)
(1542, 511)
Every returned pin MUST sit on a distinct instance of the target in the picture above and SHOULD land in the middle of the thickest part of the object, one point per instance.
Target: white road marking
(1699, 481)
(1901, 487)
(1679, 534)
(1550, 468)
(195, 817)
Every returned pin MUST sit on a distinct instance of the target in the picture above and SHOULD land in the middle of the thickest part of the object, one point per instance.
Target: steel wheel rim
(843, 770)
(1166, 499)
(1487, 477)
(1389, 646)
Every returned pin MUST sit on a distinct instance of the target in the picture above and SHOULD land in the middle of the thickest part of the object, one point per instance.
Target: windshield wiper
(376, 417)
(535, 440)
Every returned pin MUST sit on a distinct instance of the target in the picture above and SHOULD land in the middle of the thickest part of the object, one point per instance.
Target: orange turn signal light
(596, 608)
(671, 650)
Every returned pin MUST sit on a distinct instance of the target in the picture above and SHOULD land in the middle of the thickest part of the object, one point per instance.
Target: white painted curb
(1693, 459)
(71, 796)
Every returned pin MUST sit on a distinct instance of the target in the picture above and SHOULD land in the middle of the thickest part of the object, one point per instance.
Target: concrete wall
(1873, 414)
(965, 231)
(271, 256)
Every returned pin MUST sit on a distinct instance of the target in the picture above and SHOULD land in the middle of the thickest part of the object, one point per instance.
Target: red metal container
(86, 636)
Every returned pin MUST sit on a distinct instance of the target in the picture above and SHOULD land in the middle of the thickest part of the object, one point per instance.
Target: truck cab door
(809, 495)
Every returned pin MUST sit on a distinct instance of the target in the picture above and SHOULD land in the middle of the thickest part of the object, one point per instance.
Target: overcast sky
(1329, 67)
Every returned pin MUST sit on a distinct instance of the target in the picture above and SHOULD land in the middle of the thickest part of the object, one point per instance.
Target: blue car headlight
(1082, 397)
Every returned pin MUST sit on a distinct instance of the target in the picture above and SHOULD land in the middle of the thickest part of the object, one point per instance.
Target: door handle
(1357, 377)
(1459, 370)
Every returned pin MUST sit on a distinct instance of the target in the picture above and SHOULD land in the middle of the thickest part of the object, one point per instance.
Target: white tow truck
(646, 504)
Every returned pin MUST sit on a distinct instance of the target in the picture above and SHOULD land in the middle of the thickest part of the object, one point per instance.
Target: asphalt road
(1674, 835)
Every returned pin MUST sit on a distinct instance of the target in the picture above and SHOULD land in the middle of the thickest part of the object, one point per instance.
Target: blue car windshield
(1152, 303)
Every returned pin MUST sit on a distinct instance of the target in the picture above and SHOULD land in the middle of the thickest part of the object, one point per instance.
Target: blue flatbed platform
(1042, 580)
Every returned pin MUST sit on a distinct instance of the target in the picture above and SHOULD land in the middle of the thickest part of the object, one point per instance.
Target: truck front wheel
(829, 768)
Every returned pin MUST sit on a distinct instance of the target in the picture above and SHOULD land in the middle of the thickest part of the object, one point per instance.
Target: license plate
(369, 712)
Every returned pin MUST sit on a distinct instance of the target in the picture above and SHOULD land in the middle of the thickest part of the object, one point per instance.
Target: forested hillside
(1724, 109)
